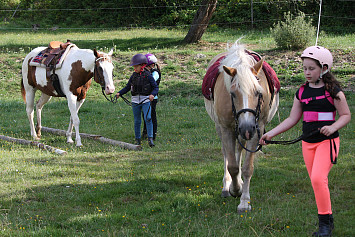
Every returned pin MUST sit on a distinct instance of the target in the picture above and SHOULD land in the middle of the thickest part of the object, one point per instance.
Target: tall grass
(170, 190)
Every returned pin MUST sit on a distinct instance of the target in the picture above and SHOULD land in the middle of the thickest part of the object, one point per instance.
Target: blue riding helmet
(138, 59)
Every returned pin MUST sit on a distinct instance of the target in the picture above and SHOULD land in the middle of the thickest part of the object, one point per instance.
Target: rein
(333, 160)
(112, 99)
(256, 114)
(289, 142)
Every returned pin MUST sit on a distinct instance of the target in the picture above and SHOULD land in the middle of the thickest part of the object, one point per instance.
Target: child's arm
(344, 116)
(125, 89)
(154, 86)
(292, 120)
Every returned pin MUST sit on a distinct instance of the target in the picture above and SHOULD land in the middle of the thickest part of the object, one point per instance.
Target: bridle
(256, 114)
(101, 80)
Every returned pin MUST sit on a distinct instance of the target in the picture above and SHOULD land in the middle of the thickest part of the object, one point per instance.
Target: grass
(174, 188)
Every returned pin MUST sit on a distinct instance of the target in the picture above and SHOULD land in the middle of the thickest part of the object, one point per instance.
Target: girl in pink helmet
(154, 68)
(317, 101)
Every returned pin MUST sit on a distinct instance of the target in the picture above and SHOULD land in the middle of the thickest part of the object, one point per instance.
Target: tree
(200, 21)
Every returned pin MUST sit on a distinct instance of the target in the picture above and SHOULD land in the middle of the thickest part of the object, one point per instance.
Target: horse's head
(246, 94)
(104, 70)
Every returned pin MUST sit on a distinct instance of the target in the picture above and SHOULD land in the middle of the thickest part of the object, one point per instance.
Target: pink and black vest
(318, 110)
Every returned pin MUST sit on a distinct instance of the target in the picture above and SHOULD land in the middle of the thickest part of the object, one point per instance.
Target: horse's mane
(237, 58)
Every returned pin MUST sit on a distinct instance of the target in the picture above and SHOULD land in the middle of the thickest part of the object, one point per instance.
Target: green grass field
(173, 189)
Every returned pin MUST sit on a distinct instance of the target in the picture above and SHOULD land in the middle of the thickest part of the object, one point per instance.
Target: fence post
(251, 13)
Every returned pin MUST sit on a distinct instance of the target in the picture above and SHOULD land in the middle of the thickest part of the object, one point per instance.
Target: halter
(256, 114)
(101, 80)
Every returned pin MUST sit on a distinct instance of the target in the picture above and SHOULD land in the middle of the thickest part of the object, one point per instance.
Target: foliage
(174, 188)
(234, 14)
(293, 33)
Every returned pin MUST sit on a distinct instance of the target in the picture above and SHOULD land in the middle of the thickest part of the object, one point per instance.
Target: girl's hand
(266, 136)
(117, 95)
(151, 97)
(327, 130)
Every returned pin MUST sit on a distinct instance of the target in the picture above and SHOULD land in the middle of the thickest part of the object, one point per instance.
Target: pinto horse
(74, 76)
(241, 106)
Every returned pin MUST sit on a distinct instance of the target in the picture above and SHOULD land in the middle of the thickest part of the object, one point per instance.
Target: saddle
(212, 73)
(54, 51)
(51, 58)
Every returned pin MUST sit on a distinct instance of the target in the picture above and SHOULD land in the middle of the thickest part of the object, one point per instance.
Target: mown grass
(174, 188)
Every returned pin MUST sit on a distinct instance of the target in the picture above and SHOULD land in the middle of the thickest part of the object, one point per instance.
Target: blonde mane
(245, 81)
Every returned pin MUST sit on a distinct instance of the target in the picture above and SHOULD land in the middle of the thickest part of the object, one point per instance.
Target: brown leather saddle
(51, 54)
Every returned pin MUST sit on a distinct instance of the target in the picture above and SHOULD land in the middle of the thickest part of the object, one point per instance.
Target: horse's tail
(23, 91)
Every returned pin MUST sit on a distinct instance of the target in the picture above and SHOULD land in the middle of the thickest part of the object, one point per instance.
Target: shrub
(294, 33)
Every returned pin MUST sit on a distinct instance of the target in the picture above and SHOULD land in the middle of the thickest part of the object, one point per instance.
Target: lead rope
(289, 142)
(334, 161)
(303, 136)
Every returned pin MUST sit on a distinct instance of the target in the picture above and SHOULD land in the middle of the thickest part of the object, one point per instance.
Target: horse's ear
(230, 71)
(111, 52)
(257, 67)
(96, 54)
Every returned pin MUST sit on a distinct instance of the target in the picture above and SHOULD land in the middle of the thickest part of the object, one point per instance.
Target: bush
(294, 33)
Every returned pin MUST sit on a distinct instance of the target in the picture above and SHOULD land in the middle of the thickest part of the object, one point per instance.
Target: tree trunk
(201, 20)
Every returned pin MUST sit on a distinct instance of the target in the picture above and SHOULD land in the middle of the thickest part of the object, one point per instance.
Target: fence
(233, 14)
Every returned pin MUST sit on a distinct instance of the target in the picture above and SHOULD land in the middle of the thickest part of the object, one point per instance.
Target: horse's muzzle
(109, 90)
(247, 131)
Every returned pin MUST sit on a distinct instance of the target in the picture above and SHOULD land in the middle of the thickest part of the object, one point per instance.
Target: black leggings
(153, 105)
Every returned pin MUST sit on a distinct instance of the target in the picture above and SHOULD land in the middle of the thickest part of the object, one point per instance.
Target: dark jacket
(146, 77)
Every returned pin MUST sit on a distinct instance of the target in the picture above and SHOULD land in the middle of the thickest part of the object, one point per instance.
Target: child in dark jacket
(143, 89)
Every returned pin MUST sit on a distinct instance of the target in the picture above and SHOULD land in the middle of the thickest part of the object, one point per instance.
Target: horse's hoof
(225, 194)
(244, 207)
(235, 194)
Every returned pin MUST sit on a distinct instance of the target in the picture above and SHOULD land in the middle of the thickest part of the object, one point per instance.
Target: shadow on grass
(140, 43)
(108, 196)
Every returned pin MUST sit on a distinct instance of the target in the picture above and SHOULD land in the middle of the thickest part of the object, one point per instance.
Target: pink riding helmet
(151, 58)
(321, 54)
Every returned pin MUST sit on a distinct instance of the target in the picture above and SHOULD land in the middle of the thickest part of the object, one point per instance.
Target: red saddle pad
(209, 80)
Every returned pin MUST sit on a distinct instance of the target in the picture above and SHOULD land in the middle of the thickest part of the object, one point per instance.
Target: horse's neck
(86, 56)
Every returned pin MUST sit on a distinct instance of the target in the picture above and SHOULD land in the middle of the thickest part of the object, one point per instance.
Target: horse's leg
(30, 97)
(71, 125)
(40, 103)
(227, 179)
(231, 164)
(70, 131)
(74, 120)
(247, 172)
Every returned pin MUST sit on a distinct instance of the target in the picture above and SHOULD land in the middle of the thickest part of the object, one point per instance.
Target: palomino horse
(242, 104)
(74, 76)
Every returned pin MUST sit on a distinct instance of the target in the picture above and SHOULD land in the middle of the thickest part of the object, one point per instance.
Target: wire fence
(171, 16)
